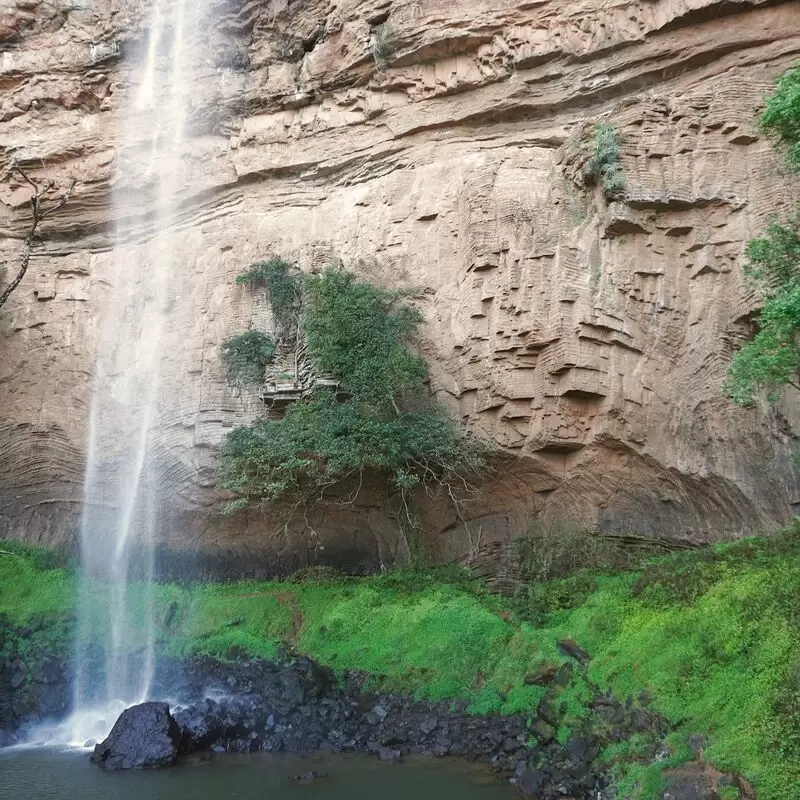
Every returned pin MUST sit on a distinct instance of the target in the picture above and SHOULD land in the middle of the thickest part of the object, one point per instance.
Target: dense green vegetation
(379, 418)
(713, 635)
(772, 358)
(246, 356)
(781, 117)
(284, 287)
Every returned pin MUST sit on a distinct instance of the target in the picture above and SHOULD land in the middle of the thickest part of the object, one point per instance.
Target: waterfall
(115, 660)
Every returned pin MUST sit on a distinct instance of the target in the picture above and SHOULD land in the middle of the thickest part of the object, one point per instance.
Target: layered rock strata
(432, 145)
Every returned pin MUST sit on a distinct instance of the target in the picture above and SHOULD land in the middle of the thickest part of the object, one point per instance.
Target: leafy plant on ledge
(603, 166)
(283, 283)
(246, 357)
(382, 420)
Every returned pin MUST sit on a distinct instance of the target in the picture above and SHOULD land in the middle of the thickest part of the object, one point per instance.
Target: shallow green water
(53, 775)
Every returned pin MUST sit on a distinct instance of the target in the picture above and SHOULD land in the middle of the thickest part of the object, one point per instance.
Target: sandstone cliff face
(438, 145)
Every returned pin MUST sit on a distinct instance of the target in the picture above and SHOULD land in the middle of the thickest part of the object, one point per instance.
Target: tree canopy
(381, 418)
(772, 358)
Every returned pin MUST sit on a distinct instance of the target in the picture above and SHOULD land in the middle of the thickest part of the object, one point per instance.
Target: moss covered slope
(711, 636)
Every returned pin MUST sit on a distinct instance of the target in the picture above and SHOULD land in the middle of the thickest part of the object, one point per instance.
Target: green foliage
(773, 259)
(246, 356)
(772, 358)
(713, 635)
(284, 288)
(34, 582)
(559, 564)
(321, 441)
(781, 117)
(240, 620)
(603, 166)
(360, 334)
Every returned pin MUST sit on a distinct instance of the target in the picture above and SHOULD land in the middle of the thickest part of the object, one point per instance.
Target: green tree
(381, 421)
(771, 359)
(781, 117)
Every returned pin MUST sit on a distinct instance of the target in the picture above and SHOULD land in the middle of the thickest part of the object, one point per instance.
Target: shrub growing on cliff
(384, 44)
(246, 356)
(781, 117)
(603, 166)
(283, 283)
(381, 420)
(361, 333)
(772, 358)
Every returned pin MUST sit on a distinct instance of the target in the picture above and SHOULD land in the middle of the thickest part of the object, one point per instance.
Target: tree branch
(41, 192)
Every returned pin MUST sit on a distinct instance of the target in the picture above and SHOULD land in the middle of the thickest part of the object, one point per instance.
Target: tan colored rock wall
(587, 339)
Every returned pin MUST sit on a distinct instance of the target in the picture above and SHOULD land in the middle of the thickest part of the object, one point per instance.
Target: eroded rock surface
(441, 146)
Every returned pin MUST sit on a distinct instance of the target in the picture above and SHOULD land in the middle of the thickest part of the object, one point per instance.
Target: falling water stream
(116, 659)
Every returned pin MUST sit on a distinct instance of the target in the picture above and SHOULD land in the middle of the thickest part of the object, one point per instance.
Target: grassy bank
(711, 635)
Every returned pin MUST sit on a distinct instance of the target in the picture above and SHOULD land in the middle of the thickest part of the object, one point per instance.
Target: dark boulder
(144, 737)
(533, 782)
(201, 725)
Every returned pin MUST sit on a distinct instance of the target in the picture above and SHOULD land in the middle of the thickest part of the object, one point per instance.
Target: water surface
(64, 775)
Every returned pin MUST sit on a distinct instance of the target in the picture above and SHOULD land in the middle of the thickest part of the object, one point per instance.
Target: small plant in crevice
(384, 44)
(246, 357)
(603, 165)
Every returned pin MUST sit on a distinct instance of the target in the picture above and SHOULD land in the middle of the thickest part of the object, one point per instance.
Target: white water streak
(116, 629)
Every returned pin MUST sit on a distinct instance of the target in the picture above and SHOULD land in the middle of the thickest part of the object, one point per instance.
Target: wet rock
(389, 754)
(572, 649)
(580, 750)
(544, 676)
(691, 782)
(312, 776)
(429, 725)
(298, 708)
(200, 725)
(697, 743)
(546, 712)
(144, 737)
(533, 782)
(18, 675)
(48, 671)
